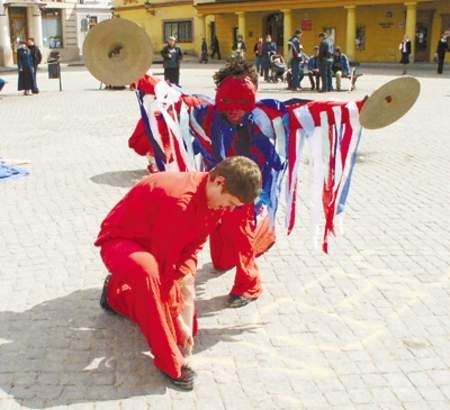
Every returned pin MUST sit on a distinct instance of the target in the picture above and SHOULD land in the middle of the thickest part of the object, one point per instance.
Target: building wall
(442, 8)
(384, 25)
(153, 25)
(83, 15)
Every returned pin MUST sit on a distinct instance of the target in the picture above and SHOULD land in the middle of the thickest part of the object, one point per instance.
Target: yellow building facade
(366, 30)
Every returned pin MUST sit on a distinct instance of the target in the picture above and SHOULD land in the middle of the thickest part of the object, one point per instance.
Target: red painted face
(235, 96)
(234, 115)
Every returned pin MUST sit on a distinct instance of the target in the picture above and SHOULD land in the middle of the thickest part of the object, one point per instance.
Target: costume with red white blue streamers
(186, 132)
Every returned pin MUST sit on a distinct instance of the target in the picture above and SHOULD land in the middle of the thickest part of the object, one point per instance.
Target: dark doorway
(212, 31)
(274, 26)
(445, 23)
(423, 35)
(18, 27)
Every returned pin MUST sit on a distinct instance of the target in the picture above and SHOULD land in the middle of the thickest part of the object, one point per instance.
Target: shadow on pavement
(122, 179)
(68, 350)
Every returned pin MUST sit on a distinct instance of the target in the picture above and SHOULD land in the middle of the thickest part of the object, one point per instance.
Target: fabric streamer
(273, 133)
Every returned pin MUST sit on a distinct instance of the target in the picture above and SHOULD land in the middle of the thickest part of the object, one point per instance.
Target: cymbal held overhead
(117, 52)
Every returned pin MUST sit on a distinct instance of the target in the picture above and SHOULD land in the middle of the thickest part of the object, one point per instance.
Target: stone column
(410, 26)
(287, 29)
(351, 32)
(201, 32)
(36, 26)
(241, 24)
(6, 55)
(201, 26)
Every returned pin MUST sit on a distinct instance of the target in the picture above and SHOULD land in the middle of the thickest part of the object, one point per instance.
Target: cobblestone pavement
(366, 327)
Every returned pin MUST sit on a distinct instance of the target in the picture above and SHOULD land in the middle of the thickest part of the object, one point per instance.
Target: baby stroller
(278, 67)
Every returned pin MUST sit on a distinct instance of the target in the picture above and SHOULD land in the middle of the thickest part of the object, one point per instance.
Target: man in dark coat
(295, 59)
(405, 51)
(172, 56)
(204, 53)
(36, 56)
(26, 69)
(326, 47)
(215, 48)
(269, 48)
(441, 49)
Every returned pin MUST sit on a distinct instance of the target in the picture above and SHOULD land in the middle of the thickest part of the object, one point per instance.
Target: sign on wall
(306, 25)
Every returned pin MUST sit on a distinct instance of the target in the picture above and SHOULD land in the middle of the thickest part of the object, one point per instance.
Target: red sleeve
(147, 84)
(139, 141)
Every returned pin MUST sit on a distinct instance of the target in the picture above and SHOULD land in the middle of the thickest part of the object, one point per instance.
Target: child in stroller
(277, 67)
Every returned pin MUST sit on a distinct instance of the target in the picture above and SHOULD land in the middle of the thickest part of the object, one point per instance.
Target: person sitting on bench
(341, 68)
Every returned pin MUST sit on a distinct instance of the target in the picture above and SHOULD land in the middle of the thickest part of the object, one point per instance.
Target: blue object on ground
(7, 171)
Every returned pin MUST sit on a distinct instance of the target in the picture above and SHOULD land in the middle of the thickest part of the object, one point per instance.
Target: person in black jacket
(405, 50)
(326, 51)
(26, 69)
(204, 53)
(441, 49)
(239, 48)
(215, 48)
(172, 56)
(36, 56)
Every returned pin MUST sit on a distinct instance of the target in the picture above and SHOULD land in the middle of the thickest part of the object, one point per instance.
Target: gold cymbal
(389, 102)
(117, 52)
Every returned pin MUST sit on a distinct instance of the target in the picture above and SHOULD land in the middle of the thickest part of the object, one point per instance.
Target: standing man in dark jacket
(36, 55)
(172, 56)
(204, 53)
(405, 51)
(215, 48)
(269, 48)
(295, 60)
(26, 69)
(326, 61)
(441, 49)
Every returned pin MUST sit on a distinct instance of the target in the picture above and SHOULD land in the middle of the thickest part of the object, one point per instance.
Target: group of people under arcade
(228, 157)
(325, 63)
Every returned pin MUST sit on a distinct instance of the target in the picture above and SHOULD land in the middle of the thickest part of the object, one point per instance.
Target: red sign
(306, 25)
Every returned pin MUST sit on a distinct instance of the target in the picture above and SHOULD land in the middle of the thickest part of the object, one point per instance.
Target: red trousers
(135, 291)
(237, 242)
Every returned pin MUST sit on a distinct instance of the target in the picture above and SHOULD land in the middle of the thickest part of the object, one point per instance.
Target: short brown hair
(242, 177)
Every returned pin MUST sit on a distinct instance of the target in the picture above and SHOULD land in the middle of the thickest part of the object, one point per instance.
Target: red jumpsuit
(236, 241)
(149, 240)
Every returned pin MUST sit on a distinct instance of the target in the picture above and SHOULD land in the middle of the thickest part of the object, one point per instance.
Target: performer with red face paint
(149, 259)
(222, 129)
(179, 131)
